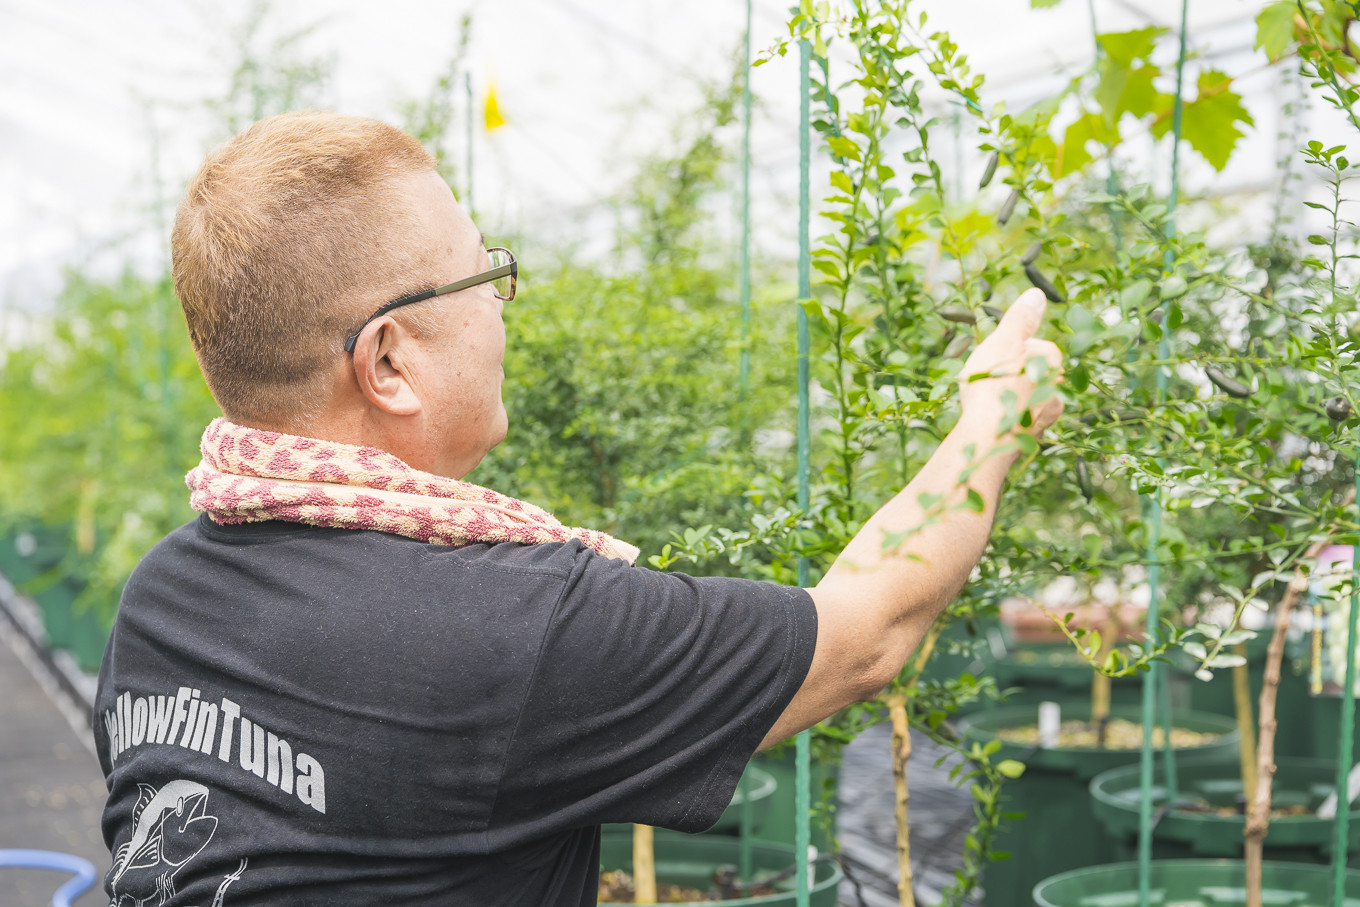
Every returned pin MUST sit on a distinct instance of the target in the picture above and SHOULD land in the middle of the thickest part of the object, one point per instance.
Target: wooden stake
(1246, 724)
(644, 866)
(901, 752)
(1100, 682)
(1258, 815)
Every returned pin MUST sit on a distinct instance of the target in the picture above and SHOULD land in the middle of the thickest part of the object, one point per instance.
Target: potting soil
(1120, 734)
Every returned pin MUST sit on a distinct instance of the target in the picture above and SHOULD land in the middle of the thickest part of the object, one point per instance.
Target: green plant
(1197, 442)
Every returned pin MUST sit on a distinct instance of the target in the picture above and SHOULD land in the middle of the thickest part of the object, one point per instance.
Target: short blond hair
(285, 234)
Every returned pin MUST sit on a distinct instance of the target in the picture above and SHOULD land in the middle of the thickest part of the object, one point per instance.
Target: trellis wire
(802, 760)
(1154, 510)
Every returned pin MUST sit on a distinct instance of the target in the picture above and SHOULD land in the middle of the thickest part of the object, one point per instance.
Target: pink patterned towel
(249, 475)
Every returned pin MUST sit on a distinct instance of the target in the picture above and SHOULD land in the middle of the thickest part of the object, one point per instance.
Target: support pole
(802, 757)
(1154, 513)
(744, 370)
(1345, 750)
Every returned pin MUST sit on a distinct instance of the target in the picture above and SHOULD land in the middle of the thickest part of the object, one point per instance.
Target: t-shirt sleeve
(650, 693)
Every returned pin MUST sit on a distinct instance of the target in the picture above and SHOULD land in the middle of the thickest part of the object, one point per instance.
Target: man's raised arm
(876, 603)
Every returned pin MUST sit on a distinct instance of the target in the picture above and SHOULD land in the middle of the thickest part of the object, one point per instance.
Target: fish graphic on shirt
(170, 827)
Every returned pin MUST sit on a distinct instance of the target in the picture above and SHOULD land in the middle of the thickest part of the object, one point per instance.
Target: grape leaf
(1275, 28)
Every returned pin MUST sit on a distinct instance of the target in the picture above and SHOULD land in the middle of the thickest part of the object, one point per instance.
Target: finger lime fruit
(1338, 409)
(1230, 386)
(1084, 479)
(1039, 281)
(1007, 208)
(990, 170)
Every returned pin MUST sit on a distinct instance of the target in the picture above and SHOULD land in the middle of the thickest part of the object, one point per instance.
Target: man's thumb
(1023, 318)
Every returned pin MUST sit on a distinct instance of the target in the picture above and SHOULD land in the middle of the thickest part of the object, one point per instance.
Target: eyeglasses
(502, 276)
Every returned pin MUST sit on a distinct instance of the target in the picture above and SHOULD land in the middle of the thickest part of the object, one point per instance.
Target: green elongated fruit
(958, 346)
(958, 316)
(1039, 281)
(1032, 254)
(990, 170)
(986, 290)
(993, 313)
(1230, 386)
(1007, 208)
(1084, 479)
(1338, 409)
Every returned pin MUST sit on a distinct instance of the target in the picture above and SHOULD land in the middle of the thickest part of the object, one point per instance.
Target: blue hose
(82, 868)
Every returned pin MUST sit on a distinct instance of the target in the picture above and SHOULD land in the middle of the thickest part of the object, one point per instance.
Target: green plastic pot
(1184, 834)
(757, 787)
(1042, 672)
(1193, 883)
(779, 822)
(691, 860)
(30, 550)
(1059, 831)
(1324, 722)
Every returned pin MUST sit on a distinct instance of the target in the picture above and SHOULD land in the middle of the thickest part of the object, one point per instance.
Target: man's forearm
(909, 560)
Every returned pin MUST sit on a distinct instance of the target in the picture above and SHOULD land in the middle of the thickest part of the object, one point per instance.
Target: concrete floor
(51, 789)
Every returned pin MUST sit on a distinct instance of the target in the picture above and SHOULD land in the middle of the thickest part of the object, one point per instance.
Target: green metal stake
(744, 367)
(745, 860)
(1154, 507)
(744, 371)
(802, 754)
(1342, 823)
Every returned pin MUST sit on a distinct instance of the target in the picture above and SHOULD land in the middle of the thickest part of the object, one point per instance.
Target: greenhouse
(847, 454)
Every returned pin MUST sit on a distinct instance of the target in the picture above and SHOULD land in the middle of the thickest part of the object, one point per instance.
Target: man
(304, 701)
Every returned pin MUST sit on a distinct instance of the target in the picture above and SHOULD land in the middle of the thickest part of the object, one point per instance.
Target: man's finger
(1023, 318)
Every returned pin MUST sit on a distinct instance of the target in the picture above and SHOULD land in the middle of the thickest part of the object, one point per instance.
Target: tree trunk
(1258, 815)
(901, 752)
(1246, 724)
(644, 866)
(1101, 683)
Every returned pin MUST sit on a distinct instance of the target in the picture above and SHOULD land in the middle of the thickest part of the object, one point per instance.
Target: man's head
(288, 238)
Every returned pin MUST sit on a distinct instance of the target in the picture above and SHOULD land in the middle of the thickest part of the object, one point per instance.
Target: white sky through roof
(92, 92)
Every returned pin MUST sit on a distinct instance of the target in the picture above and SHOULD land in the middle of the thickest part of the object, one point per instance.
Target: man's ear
(383, 359)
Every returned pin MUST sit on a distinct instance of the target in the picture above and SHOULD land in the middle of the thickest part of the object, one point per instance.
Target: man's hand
(1003, 355)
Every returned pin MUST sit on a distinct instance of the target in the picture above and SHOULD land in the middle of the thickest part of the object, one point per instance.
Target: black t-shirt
(296, 715)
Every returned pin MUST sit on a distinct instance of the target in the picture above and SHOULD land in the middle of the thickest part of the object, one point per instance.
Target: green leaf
(1010, 768)
(1275, 28)
(1209, 123)
(974, 501)
(1135, 294)
(1073, 155)
(1127, 46)
(843, 147)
